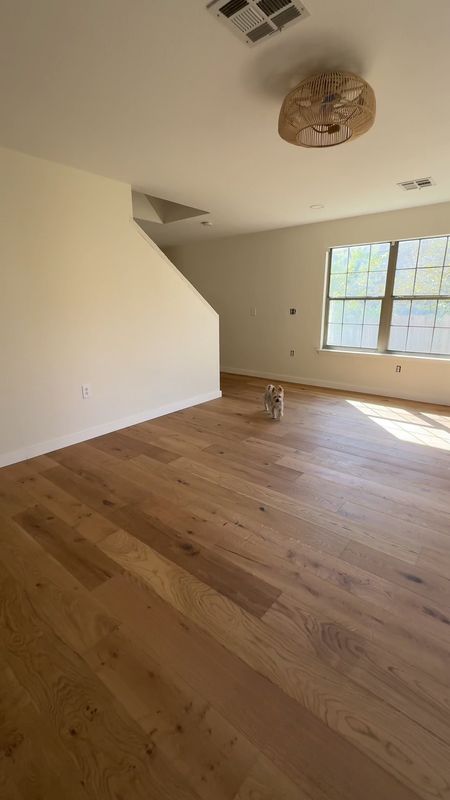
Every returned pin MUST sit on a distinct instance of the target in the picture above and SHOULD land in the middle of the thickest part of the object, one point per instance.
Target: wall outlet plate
(292, 311)
(86, 391)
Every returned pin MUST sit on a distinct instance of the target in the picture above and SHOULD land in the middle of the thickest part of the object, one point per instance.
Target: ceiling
(158, 94)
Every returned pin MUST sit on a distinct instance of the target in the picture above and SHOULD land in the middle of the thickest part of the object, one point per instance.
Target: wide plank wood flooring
(213, 605)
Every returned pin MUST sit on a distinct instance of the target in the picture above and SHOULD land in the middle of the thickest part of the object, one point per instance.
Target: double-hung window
(390, 297)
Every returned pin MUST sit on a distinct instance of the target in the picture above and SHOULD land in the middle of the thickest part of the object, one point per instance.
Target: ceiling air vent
(422, 183)
(417, 183)
(255, 20)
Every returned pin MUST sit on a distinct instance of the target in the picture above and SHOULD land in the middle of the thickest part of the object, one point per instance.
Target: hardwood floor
(215, 605)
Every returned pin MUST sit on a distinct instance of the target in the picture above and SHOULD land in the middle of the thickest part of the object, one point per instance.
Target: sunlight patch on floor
(439, 419)
(387, 412)
(434, 431)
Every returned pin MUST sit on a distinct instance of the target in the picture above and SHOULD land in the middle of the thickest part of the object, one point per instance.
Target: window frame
(387, 304)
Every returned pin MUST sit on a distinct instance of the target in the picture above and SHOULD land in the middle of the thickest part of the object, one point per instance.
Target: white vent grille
(247, 19)
(417, 183)
(254, 21)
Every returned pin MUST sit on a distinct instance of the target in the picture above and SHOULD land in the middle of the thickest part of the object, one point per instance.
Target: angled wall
(276, 270)
(86, 297)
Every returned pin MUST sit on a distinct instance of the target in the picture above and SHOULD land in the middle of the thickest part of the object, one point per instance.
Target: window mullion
(327, 301)
(388, 299)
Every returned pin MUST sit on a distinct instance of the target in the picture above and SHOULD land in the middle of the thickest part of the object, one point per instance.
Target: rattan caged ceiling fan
(327, 109)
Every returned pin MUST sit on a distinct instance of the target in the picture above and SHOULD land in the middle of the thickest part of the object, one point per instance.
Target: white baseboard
(41, 448)
(345, 387)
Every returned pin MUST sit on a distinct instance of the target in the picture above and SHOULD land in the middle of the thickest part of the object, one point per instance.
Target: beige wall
(276, 270)
(85, 297)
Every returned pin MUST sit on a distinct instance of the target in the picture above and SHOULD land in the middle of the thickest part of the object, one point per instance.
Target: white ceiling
(159, 94)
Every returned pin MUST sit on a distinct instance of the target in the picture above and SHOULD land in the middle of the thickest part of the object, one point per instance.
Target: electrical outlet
(292, 353)
(292, 311)
(253, 312)
(86, 391)
(398, 368)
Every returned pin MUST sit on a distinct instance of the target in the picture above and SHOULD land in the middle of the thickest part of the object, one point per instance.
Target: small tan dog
(268, 395)
(274, 401)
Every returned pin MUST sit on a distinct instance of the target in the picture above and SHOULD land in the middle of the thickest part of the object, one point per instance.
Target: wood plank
(33, 760)
(377, 521)
(70, 509)
(289, 735)
(349, 521)
(79, 556)
(435, 559)
(402, 603)
(367, 664)
(96, 475)
(168, 438)
(122, 445)
(32, 466)
(292, 670)
(265, 782)
(94, 496)
(178, 486)
(298, 566)
(290, 500)
(242, 587)
(57, 596)
(13, 498)
(377, 625)
(269, 476)
(179, 483)
(433, 493)
(421, 579)
(206, 750)
(114, 757)
(244, 454)
(402, 505)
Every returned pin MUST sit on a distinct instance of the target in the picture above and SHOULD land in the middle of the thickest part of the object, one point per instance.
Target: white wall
(86, 297)
(276, 270)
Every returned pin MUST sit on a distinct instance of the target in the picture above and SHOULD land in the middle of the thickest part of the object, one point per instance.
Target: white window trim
(386, 310)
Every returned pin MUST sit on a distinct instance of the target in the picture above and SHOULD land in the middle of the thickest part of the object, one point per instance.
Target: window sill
(381, 355)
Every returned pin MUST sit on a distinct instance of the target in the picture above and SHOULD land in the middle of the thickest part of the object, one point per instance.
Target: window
(390, 297)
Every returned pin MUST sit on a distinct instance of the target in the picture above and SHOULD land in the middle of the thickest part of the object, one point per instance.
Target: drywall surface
(276, 270)
(86, 297)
